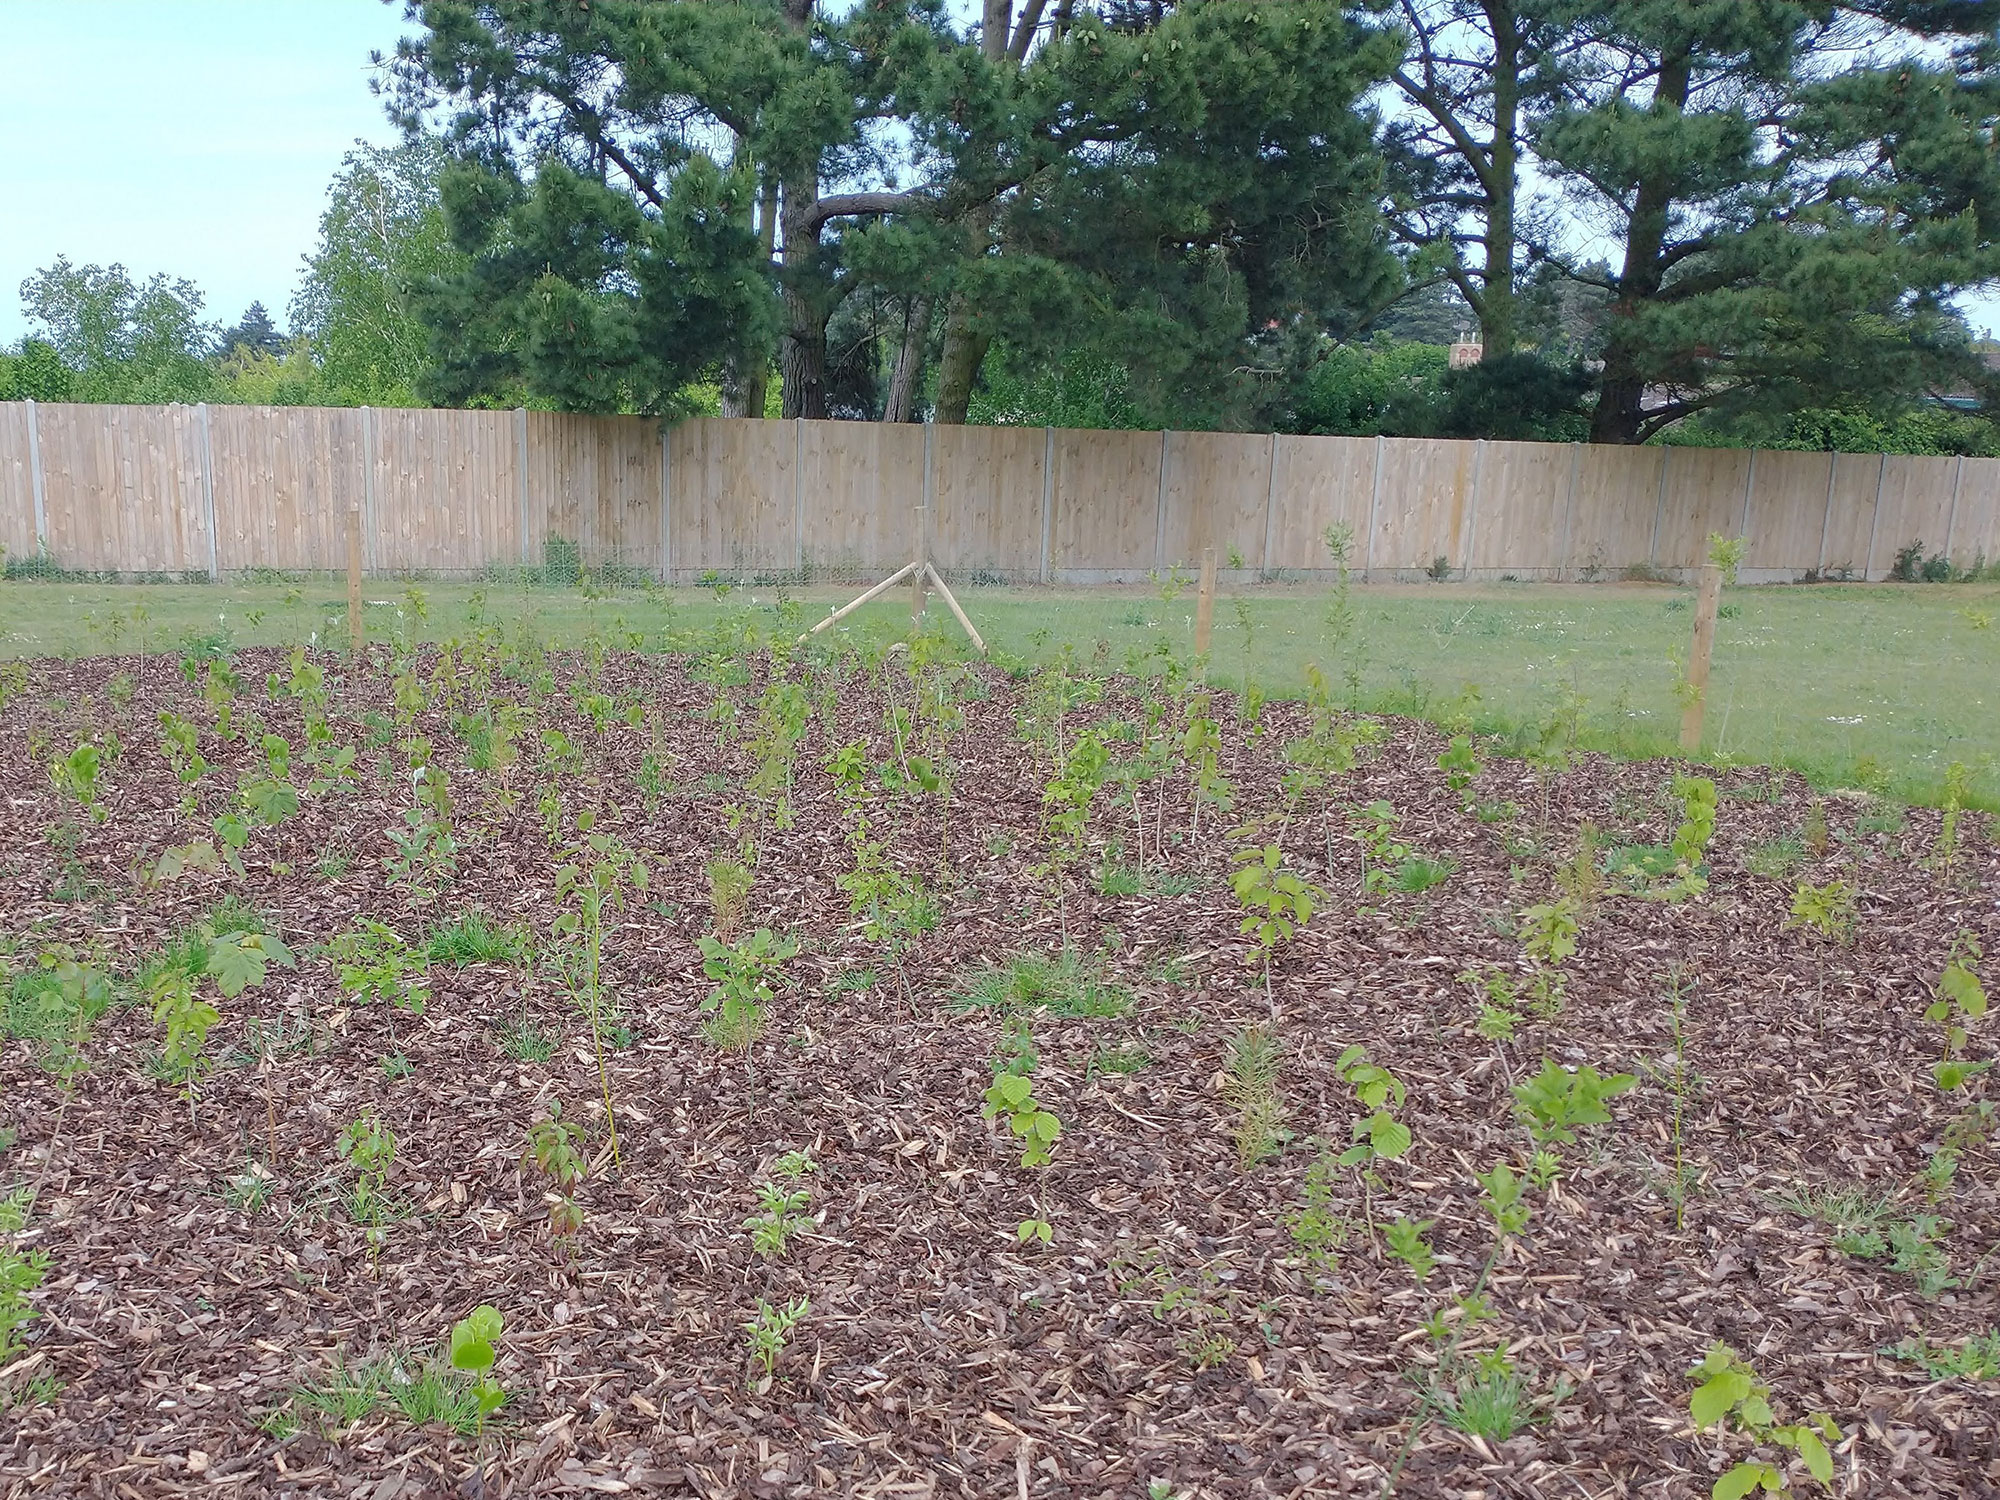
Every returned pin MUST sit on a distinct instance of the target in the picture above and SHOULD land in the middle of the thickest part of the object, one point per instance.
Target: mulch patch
(940, 1356)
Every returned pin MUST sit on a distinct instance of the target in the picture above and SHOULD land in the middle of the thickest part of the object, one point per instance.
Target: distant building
(1465, 351)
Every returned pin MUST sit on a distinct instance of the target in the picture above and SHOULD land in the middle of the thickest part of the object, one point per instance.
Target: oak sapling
(1275, 901)
(1730, 1396)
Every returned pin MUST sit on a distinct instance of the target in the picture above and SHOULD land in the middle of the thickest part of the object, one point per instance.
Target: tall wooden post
(1204, 603)
(354, 634)
(1706, 605)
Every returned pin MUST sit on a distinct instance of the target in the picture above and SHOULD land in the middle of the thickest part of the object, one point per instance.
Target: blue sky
(197, 137)
(194, 137)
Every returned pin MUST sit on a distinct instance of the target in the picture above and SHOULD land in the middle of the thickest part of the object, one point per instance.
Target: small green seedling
(1827, 909)
(1034, 1231)
(555, 1144)
(1731, 1396)
(782, 1205)
(370, 1146)
(473, 1349)
(1555, 1103)
(743, 973)
(1961, 998)
(1380, 1136)
(1405, 1239)
(769, 1330)
(1013, 1096)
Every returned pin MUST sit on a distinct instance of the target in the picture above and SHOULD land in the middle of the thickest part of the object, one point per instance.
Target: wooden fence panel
(17, 484)
(445, 490)
(1611, 520)
(1319, 483)
(1975, 527)
(744, 482)
(988, 497)
(595, 485)
(1788, 504)
(861, 484)
(1106, 520)
(128, 490)
(122, 488)
(1703, 493)
(1218, 494)
(1916, 507)
(284, 478)
(1423, 506)
(1850, 519)
(1522, 498)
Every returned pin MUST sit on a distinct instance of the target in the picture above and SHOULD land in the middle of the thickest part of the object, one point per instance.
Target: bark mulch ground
(1173, 1338)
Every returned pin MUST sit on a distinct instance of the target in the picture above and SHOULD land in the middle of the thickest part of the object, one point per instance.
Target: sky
(197, 138)
(194, 137)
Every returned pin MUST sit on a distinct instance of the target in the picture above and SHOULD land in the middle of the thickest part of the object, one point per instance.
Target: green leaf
(1819, 1462)
(1717, 1396)
(1742, 1479)
(239, 960)
(1389, 1136)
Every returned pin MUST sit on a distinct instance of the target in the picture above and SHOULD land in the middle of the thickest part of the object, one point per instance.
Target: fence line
(204, 492)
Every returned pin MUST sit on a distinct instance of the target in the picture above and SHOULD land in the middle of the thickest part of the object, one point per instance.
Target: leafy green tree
(1791, 213)
(382, 237)
(1148, 183)
(120, 340)
(34, 372)
(1793, 189)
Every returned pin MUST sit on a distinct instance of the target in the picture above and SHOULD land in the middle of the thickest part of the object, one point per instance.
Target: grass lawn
(1883, 686)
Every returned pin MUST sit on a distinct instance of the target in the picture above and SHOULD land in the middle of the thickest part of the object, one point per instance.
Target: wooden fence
(208, 492)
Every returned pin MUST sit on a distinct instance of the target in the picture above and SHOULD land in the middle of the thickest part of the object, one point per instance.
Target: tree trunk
(802, 355)
(958, 367)
(1621, 397)
(1496, 311)
(747, 374)
(902, 403)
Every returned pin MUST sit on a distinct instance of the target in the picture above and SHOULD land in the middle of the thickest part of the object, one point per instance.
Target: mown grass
(1881, 686)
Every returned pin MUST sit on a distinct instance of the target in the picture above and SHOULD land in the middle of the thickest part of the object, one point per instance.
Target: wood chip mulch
(940, 1356)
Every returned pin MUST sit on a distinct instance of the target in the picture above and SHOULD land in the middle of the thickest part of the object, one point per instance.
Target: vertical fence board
(1523, 488)
(1217, 494)
(1787, 514)
(1320, 482)
(1976, 537)
(1107, 496)
(1703, 494)
(1617, 498)
(17, 484)
(986, 491)
(1916, 507)
(1850, 515)
(859, 484)
(1425, 504)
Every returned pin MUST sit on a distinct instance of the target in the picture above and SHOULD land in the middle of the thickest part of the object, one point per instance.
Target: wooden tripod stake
(924, 578)
(1707, 603)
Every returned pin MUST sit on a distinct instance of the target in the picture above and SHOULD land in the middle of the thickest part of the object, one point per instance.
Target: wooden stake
(978, 643)
(354, 632)
(853, 604)
(919, 576)
(1204, 603)
(1706, 606)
